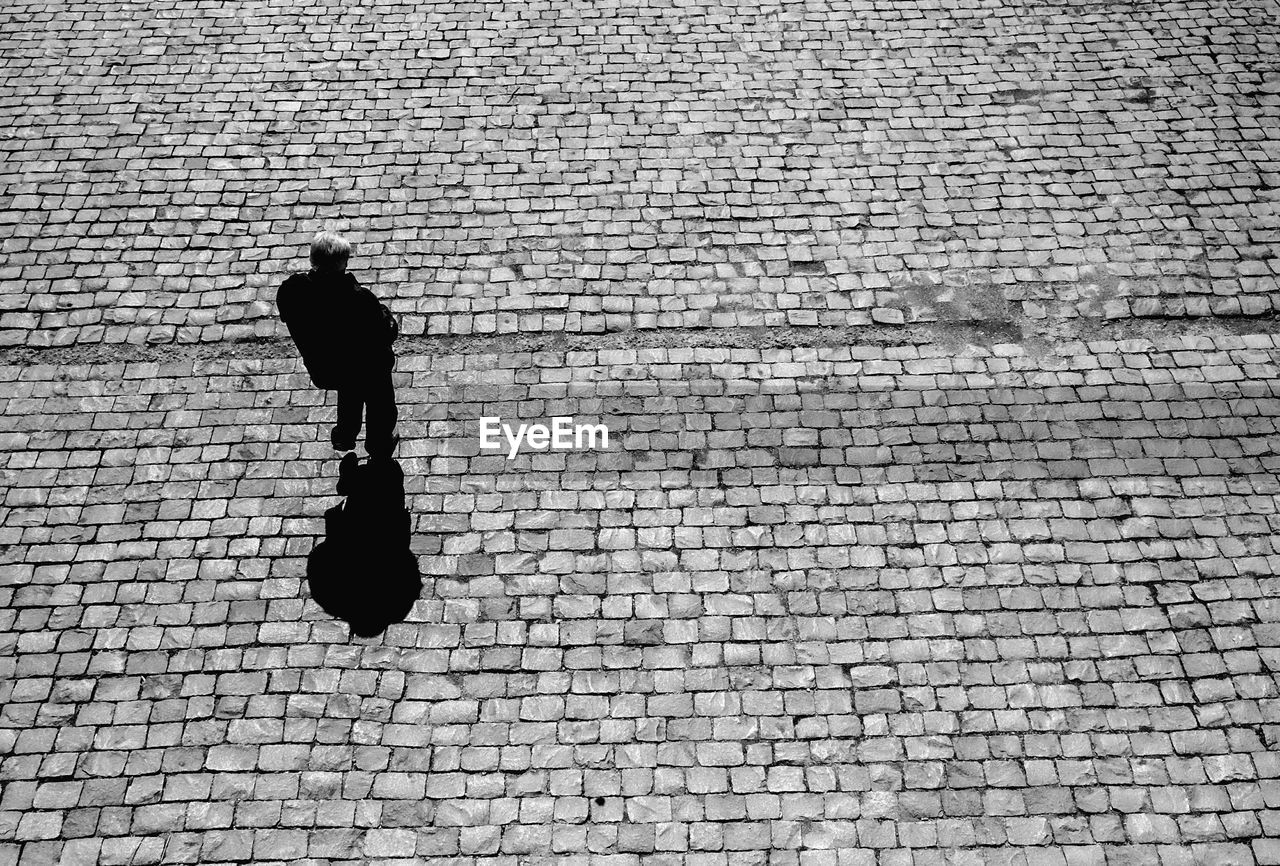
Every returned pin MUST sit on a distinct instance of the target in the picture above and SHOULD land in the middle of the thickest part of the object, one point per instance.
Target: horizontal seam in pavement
(971, 332)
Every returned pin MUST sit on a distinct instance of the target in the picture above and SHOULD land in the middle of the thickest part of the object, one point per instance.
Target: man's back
(340, 328)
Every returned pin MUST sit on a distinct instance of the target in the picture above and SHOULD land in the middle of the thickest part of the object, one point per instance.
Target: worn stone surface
(842, 589)
(817, 606)
(588, 167)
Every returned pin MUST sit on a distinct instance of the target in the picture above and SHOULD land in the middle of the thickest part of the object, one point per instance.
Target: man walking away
(344, 334)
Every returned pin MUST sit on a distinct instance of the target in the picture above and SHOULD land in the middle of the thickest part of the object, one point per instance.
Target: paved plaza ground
(937, 341)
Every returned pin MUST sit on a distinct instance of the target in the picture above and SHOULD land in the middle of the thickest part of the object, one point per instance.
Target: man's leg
(380, 398)
(350, 408)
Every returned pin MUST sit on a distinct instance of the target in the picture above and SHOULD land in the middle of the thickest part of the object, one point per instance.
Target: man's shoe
(342, 444)
(348, 472)
(384, 450)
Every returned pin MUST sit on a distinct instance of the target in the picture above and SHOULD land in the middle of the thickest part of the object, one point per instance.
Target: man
(344, 334)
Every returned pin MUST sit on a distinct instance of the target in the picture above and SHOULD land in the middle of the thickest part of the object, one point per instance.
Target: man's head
(329, 253)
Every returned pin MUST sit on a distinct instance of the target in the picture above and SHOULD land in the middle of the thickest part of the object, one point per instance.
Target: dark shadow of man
(364, 572)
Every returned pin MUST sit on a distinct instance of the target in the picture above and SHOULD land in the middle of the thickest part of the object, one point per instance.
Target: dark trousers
(373, 396)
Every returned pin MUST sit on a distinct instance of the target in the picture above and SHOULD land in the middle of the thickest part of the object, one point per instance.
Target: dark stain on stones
(1140, 96)
(808, 269)
(1019, 95)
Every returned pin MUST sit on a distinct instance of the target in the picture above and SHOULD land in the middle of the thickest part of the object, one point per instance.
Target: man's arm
(288, 299)
(299, 317)
(382, 326)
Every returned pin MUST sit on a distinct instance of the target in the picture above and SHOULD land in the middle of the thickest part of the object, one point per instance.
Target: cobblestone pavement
(587, 167)
(843, 588)
(823, 606)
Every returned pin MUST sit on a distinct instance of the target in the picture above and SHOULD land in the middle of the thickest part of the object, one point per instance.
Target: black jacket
(343, 332)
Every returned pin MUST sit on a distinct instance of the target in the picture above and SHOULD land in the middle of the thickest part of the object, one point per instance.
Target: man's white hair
(330, 252)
